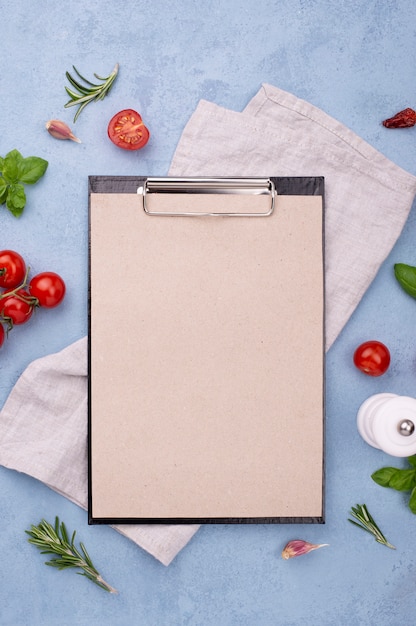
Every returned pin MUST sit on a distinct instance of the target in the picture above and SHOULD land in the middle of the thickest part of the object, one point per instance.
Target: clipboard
(206, 350)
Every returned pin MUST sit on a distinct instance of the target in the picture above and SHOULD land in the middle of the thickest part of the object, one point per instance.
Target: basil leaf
(406, 276)
(3, 190)
(403, 480)
(1, 164)
(412, 501)
(383, 476)
(11, 166)
(31, 169)
(412, 460)
(16, 199)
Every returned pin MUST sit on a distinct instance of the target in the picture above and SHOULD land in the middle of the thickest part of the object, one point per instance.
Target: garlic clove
(60, 130)
(298, 547)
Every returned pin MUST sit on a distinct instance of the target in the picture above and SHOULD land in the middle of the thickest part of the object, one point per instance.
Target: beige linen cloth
(43, 424)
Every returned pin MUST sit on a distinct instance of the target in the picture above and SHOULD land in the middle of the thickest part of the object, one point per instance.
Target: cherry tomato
(48, 288)
(126, 130)
(18, 307)
(12, 269)
(2, 335)
(372, 358)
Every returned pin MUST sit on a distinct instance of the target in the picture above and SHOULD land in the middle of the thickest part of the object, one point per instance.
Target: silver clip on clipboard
(237, 186)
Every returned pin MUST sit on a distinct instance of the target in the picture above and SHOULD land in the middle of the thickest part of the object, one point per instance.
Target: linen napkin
(367, 196)
(43, 424)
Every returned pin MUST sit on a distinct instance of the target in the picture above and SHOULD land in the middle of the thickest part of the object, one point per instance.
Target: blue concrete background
(355, 60)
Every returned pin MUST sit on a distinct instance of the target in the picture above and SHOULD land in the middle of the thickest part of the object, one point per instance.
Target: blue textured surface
(353, 59)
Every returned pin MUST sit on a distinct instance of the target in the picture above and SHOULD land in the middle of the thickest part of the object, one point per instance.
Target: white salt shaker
(388, 422)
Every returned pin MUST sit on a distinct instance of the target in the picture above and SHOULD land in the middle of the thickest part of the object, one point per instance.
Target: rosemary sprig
(86, 93)
(367, 523)
(55, 540)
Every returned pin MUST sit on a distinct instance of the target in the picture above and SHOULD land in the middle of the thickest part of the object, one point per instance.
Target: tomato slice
(126, 130)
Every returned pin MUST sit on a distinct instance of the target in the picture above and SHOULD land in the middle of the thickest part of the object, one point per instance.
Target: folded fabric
(367, 196)
(43, 424)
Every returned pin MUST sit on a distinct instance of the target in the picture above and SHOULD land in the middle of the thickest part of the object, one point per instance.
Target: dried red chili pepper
(403, 119)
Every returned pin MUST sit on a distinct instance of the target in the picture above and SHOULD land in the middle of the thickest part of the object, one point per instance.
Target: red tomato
(17, 307)
(2, 335)
(126, 130)
(12, 269)
(48, 288)
(372, 358)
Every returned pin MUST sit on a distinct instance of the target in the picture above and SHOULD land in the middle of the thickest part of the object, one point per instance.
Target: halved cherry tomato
(48, 288)
(372, 358)
(2, 335)
(18, 307)
(126, 130)
(12, 269)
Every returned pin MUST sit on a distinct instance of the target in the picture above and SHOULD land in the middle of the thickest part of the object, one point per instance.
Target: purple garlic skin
(60, 130)
(298, 547)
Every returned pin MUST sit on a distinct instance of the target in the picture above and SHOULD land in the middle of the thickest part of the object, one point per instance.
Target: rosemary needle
(87, 91)
(367, 523)
(55, 540)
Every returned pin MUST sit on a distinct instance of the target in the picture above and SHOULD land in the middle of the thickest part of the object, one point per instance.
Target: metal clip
(254, 186)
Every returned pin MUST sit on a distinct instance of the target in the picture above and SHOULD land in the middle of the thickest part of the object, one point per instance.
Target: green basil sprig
(16, 172)
(399, 479)
(406, 275)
